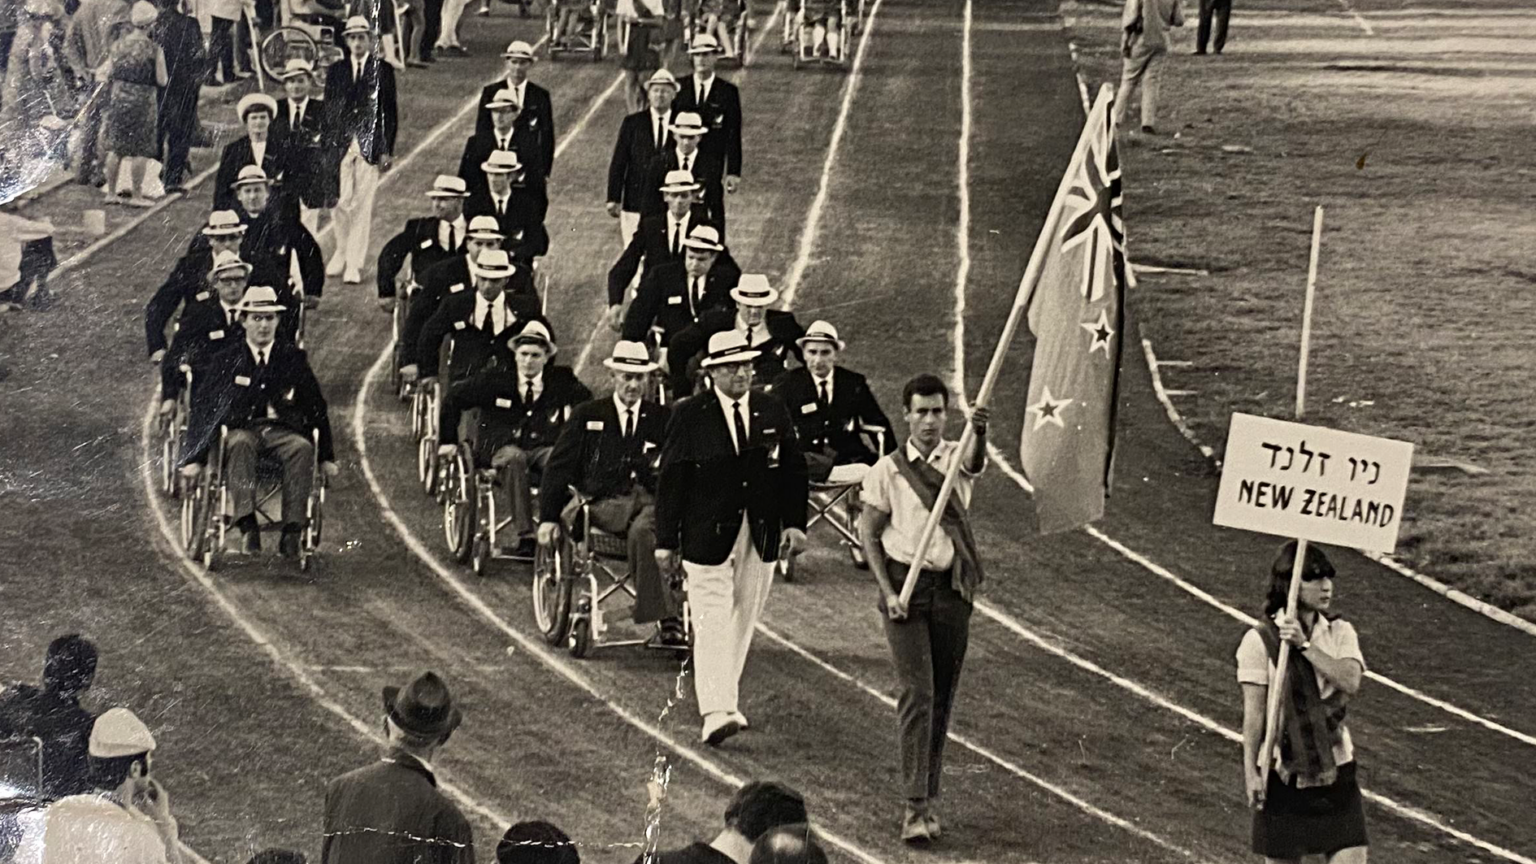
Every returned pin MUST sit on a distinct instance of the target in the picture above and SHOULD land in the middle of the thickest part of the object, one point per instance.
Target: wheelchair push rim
(552, 588)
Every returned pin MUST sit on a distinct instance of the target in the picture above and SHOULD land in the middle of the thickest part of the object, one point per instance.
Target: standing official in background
(309, 181)
(181, 40)
(1144, 46)
(928, 635)
(1221, 10)
(536, 114)
(361, 122)
(644, 136)
(718, 101)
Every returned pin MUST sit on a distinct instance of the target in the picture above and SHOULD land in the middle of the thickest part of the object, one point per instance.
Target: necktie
(741, 427)
(357, 71)
(688, 163)
(528, 394)
(703, 91)
(695, 294)
(824, 400)
(750, 328)
(629, 423)
(261, 358)
(674, 232)
(298, 116)
(501, 206)
(661, 132)
(485, 322)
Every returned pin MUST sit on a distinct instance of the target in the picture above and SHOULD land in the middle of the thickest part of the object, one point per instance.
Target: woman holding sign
(1307, 802)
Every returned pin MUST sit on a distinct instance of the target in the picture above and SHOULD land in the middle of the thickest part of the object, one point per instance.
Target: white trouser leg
(725, 601)
(452, 11)
(354, 209)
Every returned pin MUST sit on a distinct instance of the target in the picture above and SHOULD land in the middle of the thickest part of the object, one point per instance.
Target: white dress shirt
(498, 312)
(659, 128)
(258, 152)
(538, 386)
(450, 234)
(886, 490)
(629, 415)
(701, 88)
(296, 112)
(229, 313)
(818, 383)
(685, 160)
(677, 231)
(727, 405)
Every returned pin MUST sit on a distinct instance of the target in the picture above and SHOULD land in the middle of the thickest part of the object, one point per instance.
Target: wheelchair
(592, 32)
(470, 520)
(426, 402)
(205, 516)
(794, 29)
(738, 30)
(574, 578)
(309, 30)
(832, 503)
(404, 390)
(172, 430)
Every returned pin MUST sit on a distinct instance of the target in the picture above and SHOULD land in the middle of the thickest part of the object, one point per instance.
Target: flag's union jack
(1093, 214)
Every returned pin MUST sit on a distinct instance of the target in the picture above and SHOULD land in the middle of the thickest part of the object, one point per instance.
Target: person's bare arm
(1254, 696)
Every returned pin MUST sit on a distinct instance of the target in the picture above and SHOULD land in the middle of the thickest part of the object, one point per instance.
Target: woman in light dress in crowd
(135, 68)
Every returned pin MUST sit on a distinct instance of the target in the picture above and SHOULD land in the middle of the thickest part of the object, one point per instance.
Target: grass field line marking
(597, 329)
(1011, 767)
(1174, 416)
(823, 186)
(534, 647)
(963, 195)
(201, 579)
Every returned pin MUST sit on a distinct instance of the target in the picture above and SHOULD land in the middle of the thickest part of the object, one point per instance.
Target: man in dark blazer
(274, 241)
(609, 451)
(505, 134)
(643, 136)
(523, 407)
(518, 207)
(831, 405)
(188, 281)
(181, 40)
(478, 320)
(309, 170)
(685, 155)
(536, 116)
(391, 811)
(361, 123)
(731, 499)
(657, 239)
(426, 240)
(673, 295)
(206, 326)
(265, 392)
(773, 334)
(718, 102)
(257, 147)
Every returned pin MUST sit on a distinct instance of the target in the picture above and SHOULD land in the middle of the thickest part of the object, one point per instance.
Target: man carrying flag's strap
(927, 634)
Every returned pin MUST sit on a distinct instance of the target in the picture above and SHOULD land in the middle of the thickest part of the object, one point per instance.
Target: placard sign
(1317, 484)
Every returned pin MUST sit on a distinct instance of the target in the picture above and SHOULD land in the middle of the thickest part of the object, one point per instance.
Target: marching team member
(187, 283)
(609, 451)
(265, 392)
(361, 123)
(718, 101)
(673, 295)
(276, 245)
(504, 134)
(426, 240)
(730, 500)
(643, 136)
(257, 147)
(772, 334)
(657, 239)
(299, 130)
(1309, 802)
(928, 635)
(206, 326)
(522, 411)
(830, 403)
(687, 131)
(536, 116)
(477, 319)
(518, 207)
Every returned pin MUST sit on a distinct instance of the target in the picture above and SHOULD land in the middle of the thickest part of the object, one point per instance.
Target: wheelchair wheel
(599, 37)
(284, 44)
(460, 501)
(427, 468)
(552, 588)
(194, 519)
(580, 641)
(786, 567)
(316, 522)
(791, 27)
(480, 555)
(170, 485)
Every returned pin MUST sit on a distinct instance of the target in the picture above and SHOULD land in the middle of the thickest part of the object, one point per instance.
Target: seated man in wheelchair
(573, 17)
(771, 333)
(608, 454)
(719, 19)
(264, 391)
(480, 321)
(522, 410)
(207, 326)
(821, 30)
(274, 240)
(426, 240)
(673, 295)
(188, 282)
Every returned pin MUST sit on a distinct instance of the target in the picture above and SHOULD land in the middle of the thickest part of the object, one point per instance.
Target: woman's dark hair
(923, 385)
(70, 665)
(536, 842)
(1314, 566)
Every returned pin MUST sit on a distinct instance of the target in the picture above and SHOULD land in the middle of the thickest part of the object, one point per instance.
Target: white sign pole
(1272, 709)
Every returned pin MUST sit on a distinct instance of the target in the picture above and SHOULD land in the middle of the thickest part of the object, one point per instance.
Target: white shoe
(337, 265)
(353, 277)
(741, 720)
(718, 726)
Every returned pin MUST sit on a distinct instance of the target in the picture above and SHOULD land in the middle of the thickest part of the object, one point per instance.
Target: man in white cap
(206, 326)
(299, 130)
(730, 501)
(658, 238)
(687, 131)
(831, 404)
(256, 147)
(265, 392)
(536, 116)
(478, 320)
(361, 123)
(127, 819)
(518, 207)
(522, 411)
(505, 134)
(718, 102)
(643, 137)
(773, 334)
(609, 451)
(275, 244)
(673, 295)
(187, 283)
(426, 240)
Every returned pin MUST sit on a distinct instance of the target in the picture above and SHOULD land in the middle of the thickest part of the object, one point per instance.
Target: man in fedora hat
(391, 812)
(718, 102)
(264, 390)
(274, 242)
(658, 238)
(480, 321)
(674, 294)
(426, 240)
(707, 172)
(518, 207)
(206, 326)
(731, 499)
(643, 137)
(609, 451)
(188, 281)
(535, 116)
(831, 404)
(299, 130)
(772, 334)
(256, 147)
(505, 134)
(522, 411)
(361, 123)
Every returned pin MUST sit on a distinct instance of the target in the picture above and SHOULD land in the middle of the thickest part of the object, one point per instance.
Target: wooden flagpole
(1277, 689)
(1027, 286)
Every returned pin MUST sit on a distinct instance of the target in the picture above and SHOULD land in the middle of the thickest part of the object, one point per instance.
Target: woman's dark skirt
(1313, 821)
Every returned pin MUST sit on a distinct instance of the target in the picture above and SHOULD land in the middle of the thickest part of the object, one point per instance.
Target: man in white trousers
(1144, 47)
(730, 500)
(448, 35)
(361, 123)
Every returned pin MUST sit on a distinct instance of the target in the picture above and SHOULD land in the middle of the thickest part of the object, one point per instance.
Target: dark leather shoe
(250, 536)
(289, 546)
